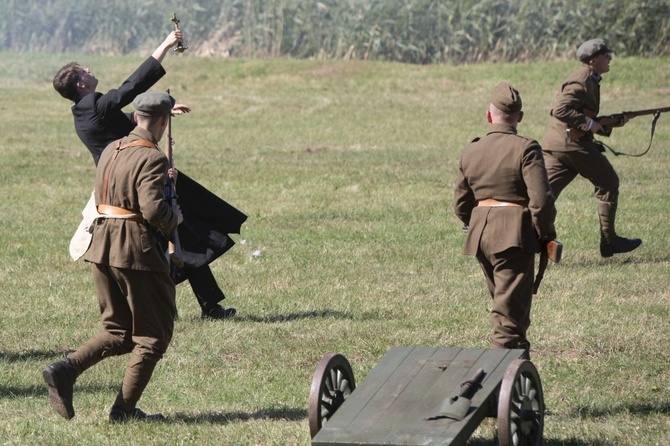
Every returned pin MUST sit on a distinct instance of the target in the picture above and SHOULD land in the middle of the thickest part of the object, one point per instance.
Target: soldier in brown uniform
(502, 193)
(570, 149)
(99, 119)
(130, 272)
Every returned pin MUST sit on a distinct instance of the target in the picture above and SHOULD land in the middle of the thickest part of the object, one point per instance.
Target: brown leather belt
(120, 213)
(490, 202)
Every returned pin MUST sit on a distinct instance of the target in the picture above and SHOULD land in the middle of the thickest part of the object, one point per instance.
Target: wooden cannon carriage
(427, 396)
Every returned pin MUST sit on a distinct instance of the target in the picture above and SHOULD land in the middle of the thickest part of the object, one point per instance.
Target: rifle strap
(119, 148)
(544, 261)
(651, 139)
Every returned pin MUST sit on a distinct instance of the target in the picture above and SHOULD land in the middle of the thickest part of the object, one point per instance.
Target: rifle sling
(651, 139)
(544, 261)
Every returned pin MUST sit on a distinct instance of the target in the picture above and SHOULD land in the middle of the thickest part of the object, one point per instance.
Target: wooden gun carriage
(427, 396)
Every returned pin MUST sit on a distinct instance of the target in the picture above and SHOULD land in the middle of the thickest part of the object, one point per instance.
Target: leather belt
(491, 202)
(121, 213)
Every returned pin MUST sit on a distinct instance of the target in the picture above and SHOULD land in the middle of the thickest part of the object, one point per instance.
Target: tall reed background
(414, 31)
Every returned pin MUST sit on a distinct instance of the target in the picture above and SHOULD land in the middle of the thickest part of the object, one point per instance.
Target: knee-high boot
(607, 215)
(610, 242)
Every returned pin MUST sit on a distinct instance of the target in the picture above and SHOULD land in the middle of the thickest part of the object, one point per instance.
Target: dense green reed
(416, 31)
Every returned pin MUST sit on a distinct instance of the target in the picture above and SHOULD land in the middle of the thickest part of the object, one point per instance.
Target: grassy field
(346, 171)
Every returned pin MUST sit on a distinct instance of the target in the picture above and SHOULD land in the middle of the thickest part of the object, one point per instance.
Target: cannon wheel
(333, 382)
(520, 406)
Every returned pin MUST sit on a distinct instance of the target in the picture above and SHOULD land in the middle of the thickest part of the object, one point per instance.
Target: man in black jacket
(99, 120)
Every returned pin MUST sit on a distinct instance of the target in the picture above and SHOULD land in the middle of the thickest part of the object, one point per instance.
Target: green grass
(346, 171)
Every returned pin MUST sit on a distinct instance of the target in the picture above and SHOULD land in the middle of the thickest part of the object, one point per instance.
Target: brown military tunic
(565, 159)
(136, 183)
(130, 271)
(508, 168)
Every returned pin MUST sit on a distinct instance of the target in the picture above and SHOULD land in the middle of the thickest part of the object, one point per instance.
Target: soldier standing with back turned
(502, 193)
(570, 149)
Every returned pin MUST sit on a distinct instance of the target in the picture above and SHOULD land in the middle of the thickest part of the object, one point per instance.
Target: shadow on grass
(279, 413)
(575, 442)
(545, 442)
(273, 319)
(33, 355)
(21, 392)
(622, 259)
(633, 409)
(323, 314)
(41, 390)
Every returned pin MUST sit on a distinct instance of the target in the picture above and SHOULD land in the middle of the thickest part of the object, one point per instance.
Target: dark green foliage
(414, 31)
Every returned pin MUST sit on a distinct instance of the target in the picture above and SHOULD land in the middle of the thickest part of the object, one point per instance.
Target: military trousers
(137, 309)
(588, 161)
(509, 276)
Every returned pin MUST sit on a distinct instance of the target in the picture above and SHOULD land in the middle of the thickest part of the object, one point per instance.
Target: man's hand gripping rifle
(174, 247)
(608, 122)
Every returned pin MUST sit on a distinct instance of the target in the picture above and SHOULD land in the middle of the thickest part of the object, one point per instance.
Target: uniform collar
(595, 76)
(140, 133)
(502, 128)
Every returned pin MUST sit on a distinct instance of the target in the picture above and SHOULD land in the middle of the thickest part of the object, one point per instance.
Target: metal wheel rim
(332, 383)
(521, 406)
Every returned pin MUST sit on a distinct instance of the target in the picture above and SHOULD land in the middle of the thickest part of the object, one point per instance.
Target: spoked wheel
(520, 406)
(333, 382)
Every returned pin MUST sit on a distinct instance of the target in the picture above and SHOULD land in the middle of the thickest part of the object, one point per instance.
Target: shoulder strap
(137, 143)
(119, 148)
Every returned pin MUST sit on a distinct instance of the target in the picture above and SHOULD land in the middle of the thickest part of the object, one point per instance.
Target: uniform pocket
(147, 238)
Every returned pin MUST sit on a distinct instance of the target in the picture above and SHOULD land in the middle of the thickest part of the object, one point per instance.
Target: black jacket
(99, 119)
(208, 219)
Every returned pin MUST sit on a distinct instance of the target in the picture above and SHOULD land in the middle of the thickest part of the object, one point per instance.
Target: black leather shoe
(119, 415)
(619, 245)
(60, 377)
(218, 312)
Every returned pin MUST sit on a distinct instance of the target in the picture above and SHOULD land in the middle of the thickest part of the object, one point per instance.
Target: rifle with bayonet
(174, 247)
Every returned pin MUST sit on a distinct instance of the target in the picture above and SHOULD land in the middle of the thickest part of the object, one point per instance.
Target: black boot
(610, 243)
(618, 245)
(217, 312)
(60, 377)
(119, 415)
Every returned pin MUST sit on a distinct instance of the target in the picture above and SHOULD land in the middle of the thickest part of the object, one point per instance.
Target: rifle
(174, 247)
(552, 250)
(608, 122)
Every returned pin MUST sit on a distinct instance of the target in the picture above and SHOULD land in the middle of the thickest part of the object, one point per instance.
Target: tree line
(412, 31)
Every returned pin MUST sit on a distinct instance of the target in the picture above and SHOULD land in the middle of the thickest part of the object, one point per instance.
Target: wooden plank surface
(363, 393)
(393, 373)
(393, 404)
(420, 429)
(417, 374)
(442, 431)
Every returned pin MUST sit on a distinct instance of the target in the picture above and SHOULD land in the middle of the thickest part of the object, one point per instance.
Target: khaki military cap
(592, 48)
(153, 103)
(506, 98)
